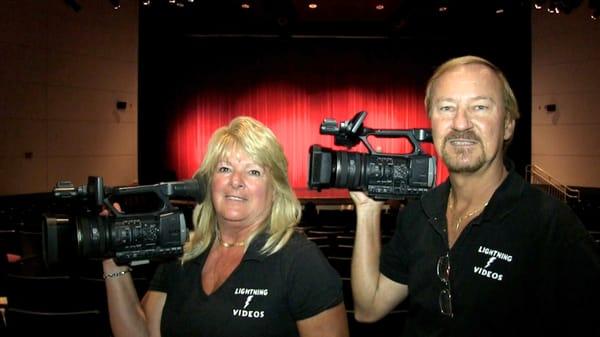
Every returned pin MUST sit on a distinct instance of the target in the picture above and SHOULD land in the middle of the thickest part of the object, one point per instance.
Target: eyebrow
(482, 98)
(470, 99)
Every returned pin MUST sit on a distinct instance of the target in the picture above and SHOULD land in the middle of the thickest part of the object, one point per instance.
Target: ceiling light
(379, 7)
(245, 5)
(538, 4)
(594, 5)
(312, 5)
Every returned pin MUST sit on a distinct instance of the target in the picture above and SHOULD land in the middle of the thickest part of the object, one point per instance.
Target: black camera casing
(127, 238)
(381, 176)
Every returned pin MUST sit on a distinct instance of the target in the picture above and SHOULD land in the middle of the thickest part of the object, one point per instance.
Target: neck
(229, 244)
(229, 237)
(475, 187)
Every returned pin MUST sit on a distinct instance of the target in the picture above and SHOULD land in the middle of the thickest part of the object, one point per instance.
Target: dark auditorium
(299, 168)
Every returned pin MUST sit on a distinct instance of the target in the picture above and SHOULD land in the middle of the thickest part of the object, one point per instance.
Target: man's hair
(259, 142)
(510, 102)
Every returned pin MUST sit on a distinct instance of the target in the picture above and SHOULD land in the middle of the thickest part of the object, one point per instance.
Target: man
(484, 253)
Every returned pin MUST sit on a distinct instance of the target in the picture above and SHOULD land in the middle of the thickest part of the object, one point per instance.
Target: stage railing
(543, 180)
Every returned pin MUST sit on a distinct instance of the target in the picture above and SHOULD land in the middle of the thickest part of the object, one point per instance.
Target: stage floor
(326, 196)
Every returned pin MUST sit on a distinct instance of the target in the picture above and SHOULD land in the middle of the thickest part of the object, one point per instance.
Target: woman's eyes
(257, 173)
(252, 172)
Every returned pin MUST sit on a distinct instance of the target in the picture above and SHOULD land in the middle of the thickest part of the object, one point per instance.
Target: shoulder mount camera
(129, 238)
(381, 176)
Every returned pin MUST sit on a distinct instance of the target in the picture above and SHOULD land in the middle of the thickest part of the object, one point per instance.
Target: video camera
(381, 176)
(128, 238)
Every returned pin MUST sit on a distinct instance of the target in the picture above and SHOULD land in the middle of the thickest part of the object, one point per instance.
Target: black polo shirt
(264, 296)
(525, 267)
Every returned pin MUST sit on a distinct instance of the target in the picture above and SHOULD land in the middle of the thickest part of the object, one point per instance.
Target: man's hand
(364, 202)
(106, 212)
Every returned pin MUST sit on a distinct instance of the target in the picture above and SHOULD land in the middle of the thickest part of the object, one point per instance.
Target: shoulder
(430, 203)
(553, 216)
(298, 244)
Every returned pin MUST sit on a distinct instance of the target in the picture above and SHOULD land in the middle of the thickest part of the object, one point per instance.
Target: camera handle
(191, 188)
(350, 132)
(415, 136)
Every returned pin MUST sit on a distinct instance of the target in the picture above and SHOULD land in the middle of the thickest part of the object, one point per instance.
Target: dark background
(222, 47)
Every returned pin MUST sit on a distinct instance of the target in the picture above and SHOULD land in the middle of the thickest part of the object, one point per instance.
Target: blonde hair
(259, 142)
(510, 102)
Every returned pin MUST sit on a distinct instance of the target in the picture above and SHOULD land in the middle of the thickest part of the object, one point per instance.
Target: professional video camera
(381, 176)
(128, 238)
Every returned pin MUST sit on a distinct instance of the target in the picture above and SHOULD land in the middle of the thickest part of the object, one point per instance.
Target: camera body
(381, 176)
(128, 238)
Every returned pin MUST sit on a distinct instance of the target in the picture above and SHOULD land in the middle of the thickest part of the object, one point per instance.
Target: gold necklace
(229, 244)
(469, 214)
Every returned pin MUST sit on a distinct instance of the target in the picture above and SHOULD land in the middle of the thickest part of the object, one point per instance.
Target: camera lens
(92, 236)
(348, 169)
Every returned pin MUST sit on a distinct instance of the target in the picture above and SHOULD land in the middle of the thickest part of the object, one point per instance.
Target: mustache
(470, 135)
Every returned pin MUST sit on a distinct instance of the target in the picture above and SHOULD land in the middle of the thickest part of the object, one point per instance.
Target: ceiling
(398, 18)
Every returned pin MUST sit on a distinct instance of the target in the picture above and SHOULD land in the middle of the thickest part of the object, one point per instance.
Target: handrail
(542, 179)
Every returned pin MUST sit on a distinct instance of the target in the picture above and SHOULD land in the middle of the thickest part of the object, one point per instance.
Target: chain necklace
(468, 215)
(229, 244)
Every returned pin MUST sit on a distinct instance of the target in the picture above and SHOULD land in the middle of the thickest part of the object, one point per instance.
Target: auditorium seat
(89, 323)
(47, 293)
(346, 239)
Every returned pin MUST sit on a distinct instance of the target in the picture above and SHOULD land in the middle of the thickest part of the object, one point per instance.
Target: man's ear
(509, 127)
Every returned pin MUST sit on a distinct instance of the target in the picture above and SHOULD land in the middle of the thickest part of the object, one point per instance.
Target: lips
(462, 142)
(462, 138)
(234, 198)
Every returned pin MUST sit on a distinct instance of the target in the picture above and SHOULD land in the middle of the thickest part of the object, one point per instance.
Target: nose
(461, 120)
(237, 181)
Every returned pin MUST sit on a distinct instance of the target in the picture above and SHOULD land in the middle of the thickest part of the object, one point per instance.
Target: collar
(252, 253)
(505, 198)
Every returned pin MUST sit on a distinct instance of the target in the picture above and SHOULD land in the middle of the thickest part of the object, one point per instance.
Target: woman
(246, 271)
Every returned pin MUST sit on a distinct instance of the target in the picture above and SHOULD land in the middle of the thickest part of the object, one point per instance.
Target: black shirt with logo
(525, 267)
(264, 296)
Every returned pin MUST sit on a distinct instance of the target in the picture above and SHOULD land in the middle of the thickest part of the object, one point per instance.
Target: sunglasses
(443, 272)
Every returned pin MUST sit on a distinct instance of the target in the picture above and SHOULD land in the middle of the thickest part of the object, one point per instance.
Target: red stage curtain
(294, 115)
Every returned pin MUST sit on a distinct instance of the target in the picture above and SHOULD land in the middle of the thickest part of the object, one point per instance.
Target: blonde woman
(246, 271)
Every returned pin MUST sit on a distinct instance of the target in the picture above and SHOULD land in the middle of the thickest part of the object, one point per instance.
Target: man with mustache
(484, 253)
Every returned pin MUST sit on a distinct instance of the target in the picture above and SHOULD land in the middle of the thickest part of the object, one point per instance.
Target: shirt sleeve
(160, 280)
(314, 285)
(393, 262)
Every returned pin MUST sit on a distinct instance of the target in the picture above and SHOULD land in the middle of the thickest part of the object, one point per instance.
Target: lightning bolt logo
(490, 261)
(248, 300)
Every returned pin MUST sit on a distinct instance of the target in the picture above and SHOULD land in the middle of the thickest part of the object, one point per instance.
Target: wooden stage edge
(329, 196)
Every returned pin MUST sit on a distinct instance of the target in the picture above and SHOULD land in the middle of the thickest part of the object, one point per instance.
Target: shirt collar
(252, 253)
(504, 199)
